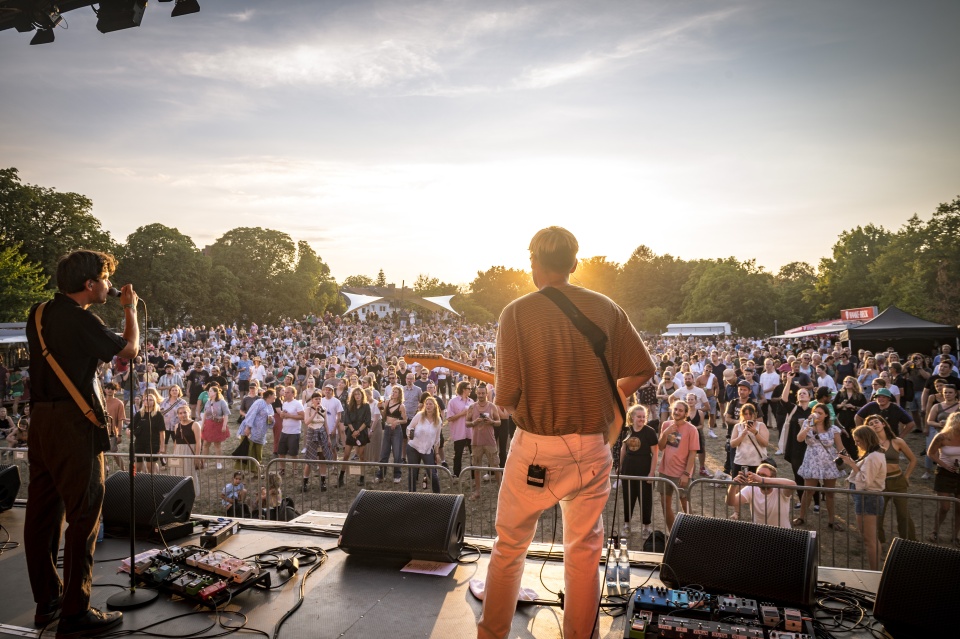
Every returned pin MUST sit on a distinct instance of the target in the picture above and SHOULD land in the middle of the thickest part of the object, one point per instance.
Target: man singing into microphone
(66, 448)
(556, 388)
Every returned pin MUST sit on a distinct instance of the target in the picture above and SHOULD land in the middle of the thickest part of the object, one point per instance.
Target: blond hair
(555, 248)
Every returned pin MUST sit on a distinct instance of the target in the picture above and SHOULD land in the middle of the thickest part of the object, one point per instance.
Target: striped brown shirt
(546, 368)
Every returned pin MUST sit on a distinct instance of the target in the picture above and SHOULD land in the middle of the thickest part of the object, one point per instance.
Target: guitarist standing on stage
(66, 448)
(549, 378)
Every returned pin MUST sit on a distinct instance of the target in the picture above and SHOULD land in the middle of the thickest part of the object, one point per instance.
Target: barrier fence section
(328, 495)
(841, 542)
(929, 518)
(211, 475)
(642, 493)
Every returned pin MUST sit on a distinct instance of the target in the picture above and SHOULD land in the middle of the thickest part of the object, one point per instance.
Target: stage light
(183, 7)
(43, 36)
(120, 14)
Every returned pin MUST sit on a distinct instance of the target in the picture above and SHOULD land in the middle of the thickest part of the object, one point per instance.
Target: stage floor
(344, 598)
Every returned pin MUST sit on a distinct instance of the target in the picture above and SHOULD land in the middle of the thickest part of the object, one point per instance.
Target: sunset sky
(437, 137)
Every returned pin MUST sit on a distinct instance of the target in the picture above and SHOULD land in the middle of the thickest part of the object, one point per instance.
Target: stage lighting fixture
(120, 14)
(183, 7)
(43, 36)
(49, 17)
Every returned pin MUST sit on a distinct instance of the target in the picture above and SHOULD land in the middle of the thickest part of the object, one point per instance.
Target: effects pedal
(670, 627)
(779, 634)
(733, 605)
(660, 598)
(792, 620)
(770, 615)
(639, 625)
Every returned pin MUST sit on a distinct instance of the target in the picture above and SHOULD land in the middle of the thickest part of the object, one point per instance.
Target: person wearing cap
(197, 380)
(217, 377)
(882, 404)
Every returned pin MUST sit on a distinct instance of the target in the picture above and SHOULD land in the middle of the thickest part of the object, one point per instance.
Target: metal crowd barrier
(842, 545)
(209, 481)
(482, 511)
(338, 499)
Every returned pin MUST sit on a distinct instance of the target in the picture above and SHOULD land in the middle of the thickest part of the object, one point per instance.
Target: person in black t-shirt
(196, 381)
(66, 448)
(900, 420)
(638, 458)
(943, 373)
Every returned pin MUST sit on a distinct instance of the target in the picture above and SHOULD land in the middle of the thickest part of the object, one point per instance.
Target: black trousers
(459, 446)
(66, 482)
(634, 490)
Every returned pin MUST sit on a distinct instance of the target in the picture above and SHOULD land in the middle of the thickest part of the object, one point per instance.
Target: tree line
(257, 274)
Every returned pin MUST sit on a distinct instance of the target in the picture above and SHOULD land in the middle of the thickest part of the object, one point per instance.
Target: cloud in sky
(375, 129)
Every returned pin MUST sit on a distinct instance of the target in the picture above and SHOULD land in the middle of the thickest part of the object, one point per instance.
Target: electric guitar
(434, 360)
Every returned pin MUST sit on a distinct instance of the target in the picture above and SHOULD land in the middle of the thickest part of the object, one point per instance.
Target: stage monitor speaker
(405, 525)
(158, 499)
(918, 588)
(9, 485)
(750, 560)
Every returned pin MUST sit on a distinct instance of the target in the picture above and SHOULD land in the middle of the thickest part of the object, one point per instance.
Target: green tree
(426, 286)
(795, 285)
(22, 284)
(649, 281)
(381, 281)
(730, 291)
(847, 279)
(598, 274)
(47, 223)
(471, 311)
(168, 271)
(260, 258)
(917, 269)
(357, 281)
(496, 287)
(302, 291)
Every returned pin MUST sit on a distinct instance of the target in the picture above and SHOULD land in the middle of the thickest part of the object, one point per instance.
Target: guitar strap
(66, 381)
(594, 334)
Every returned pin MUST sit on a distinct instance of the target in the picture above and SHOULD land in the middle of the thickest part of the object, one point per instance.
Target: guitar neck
(434, 360)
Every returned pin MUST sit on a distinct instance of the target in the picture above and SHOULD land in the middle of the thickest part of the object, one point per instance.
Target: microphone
(113, 292)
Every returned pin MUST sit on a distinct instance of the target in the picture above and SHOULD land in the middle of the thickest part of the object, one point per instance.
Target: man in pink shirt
(679, 442)
(484, 420)
(457, 418)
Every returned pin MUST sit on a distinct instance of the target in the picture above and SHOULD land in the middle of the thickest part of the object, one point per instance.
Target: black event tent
(905, 332)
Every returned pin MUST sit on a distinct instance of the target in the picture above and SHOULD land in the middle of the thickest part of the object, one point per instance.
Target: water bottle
(611, 575)
(623, 567)
(100, 531)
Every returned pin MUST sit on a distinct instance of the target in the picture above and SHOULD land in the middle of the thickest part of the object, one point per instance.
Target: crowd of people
(334, 388)
(837, 415)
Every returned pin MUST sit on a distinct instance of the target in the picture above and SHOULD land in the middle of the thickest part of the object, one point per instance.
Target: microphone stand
(133, 598)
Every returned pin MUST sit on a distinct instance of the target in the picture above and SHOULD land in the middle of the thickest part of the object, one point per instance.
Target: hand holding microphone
(126, 294)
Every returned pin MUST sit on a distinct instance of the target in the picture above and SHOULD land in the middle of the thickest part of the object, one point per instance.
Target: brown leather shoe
(91, 622)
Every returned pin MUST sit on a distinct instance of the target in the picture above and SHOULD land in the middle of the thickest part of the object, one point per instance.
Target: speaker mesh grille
(918, 586)
(9, 485)
(158, 500)
(417, 525)
(764, 562)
